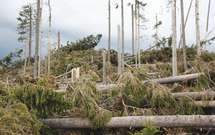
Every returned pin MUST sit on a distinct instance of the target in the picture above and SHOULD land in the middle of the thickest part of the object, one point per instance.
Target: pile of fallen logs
(161, 121)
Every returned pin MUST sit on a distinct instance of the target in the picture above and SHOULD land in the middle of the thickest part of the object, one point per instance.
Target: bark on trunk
(132, 16)
(157, 31)
(30, 35)
(206, 34)
(41, 9)
(183, 33)
(122, 14)
(104, 67)
(205, 103)
(174, 39)
(138, 16)
(194, 95)
(135, 121)
(161, 80)
(49, 53)
(109, 31)
(136, 33)
(58, 44)
(197, 29)
(119, 52)
(26, 52)
(185, 23)
(37, 39)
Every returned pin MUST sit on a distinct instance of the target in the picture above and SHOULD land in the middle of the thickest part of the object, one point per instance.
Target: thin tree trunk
(122, 14)
(109, 31)
(197, 29)
(26, 52)
(136, 33)
(135, 121)
(37, 39)
(132, 16)
(206, 34)
(119, 52)
(138, 8)
(30, 35)
(49, 53)
(157, 31)
(58, 44)
(41, 10)
(104, 67)
(185, 23)
(174, 39)
(183, 33)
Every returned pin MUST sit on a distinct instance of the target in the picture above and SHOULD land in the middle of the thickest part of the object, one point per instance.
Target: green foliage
(44, 101)
(149, 129)
(25, 17)
(86, 43)
(17, 119)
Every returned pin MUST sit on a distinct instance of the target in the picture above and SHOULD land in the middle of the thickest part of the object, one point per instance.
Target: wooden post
(91, 58)
(104, 67)
(119, 52)
(174, 39)
(58, 44)
(197, 29)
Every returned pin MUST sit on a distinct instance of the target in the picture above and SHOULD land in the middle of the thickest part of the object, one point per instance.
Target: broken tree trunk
(161, 80)
(194, 95)
(135, 121)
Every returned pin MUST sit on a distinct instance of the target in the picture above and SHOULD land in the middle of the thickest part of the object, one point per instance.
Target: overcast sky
(79, 18)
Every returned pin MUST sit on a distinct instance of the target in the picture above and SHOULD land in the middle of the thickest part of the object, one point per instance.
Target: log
(180, 78)
(205, 103)
(134, 121)
(196, 95)
(63, 74)
(161, 80)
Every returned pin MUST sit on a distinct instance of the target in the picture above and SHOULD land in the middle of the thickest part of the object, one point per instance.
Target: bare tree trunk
(41, 10)
(183, 33)
(30, 35)
(132, 16)
(181, 78)
(104, 67)
(26, 52)
(197, 29)
(109, 31)
(157, 31)
(119, 52)
(138, 8)
(174, 39)
(49, 53)
(195, 95)
(206, 34)
(122, 14)
(58, 44)
(135, 121)
(37, 39)
(185, 22)
(136, 33)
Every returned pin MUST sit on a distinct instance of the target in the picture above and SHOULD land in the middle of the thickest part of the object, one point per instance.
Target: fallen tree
(194, 95)
(180, 78)
(135, 121)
